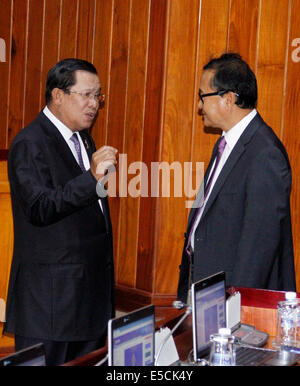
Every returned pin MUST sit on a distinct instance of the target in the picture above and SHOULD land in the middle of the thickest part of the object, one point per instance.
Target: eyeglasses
(221, 92)
(88, 95)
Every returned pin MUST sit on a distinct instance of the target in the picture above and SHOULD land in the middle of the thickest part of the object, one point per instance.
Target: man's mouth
(91, 115)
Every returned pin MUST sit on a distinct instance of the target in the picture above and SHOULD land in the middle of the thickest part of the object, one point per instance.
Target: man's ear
(228, 100)
(57, 95)
(233, 97)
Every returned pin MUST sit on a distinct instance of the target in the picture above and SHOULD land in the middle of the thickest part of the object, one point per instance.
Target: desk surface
(163, 316)
(259, 308)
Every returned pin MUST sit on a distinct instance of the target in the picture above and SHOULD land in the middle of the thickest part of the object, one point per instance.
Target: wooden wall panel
(34, 61)
(133, 139)
(17, 70)
(5, 34)
(153, 123)
(69, 28)
(117, 101)
(176, 138)
(243, 29)
(6, 234)
(271, 61)
(6, 243)
(50, 39)
(150, 54)
(212, 42)
(291, 125)
(85, 31)
(102, 60)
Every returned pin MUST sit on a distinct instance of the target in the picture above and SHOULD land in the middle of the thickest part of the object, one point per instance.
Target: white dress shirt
(231, 137)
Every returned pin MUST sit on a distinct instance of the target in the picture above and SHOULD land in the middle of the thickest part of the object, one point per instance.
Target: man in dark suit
(240, 222)
(61, 289)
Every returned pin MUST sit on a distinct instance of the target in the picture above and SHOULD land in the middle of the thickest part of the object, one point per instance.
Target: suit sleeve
(183, 282)
(266, 210)
(33, 187)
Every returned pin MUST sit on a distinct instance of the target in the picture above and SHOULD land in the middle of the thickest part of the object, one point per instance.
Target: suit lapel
(90, 149)
(201, 190)
(236, 153)
(60, 144)
(232, 160)
(89, 146)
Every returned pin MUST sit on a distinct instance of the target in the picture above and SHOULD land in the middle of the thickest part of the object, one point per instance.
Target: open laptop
(30, 356)
(209, 314)
(131, 338)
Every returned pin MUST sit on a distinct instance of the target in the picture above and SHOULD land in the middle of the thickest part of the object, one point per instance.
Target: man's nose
(94, 102)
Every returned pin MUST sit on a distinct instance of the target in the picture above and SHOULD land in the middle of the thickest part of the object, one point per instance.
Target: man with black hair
(240, 222)
(61, 289)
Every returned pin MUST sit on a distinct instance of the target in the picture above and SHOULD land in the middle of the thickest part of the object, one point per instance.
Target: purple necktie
(75, 140)
(221, 147)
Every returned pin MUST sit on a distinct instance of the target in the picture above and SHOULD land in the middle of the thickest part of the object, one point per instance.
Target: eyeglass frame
(86, 96)
(220, 93)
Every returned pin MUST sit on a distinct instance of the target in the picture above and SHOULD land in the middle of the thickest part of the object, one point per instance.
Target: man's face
(77, 111)
(212, 107)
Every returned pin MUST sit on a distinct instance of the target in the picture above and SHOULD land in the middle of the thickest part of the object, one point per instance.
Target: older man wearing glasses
(61, 289)
(240, 222)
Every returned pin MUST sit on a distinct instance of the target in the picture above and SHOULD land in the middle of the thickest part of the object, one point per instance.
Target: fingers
(103, 161)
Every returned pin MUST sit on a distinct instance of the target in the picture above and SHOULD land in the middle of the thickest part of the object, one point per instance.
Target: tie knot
(222, 144)
(74, 138)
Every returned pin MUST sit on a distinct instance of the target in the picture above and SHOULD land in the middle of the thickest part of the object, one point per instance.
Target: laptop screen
(31, 356)
(131, 338)
(209, 311)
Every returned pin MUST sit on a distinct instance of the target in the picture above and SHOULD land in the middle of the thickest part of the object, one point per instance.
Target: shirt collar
(233, 135)
(62, 128)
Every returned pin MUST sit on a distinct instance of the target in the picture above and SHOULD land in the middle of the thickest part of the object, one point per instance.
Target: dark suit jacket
(62, 275)
(245, 228)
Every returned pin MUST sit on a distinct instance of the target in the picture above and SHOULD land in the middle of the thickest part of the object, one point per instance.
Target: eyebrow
(92, 89)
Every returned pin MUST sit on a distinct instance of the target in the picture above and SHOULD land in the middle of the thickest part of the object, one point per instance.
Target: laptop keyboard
(248, 356)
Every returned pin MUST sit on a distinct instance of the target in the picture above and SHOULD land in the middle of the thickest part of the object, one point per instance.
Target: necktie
(75, 140)
(221, 147)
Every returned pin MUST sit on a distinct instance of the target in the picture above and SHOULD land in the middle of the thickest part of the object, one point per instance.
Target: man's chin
(87, 125)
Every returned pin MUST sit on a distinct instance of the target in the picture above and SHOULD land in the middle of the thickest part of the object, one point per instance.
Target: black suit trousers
(58, 353)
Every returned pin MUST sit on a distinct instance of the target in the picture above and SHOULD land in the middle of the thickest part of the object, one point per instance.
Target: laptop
(30, 356)
(131, 338)
(209, 314)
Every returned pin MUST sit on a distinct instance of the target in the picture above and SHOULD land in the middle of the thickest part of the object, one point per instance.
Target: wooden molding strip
(134, 298)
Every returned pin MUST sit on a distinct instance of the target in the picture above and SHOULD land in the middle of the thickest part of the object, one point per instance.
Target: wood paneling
(153, 123)
(6, 234)
(17, 69)
(150, 54)
(243, 29)
(271, 61)
(5, 33)
(291, 126)
(133, 139)
(212, 41)
(6, 243)
(176, 137)
(34, 61)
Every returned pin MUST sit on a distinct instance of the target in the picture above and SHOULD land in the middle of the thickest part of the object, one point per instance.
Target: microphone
(103, 360)
(179, 305)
